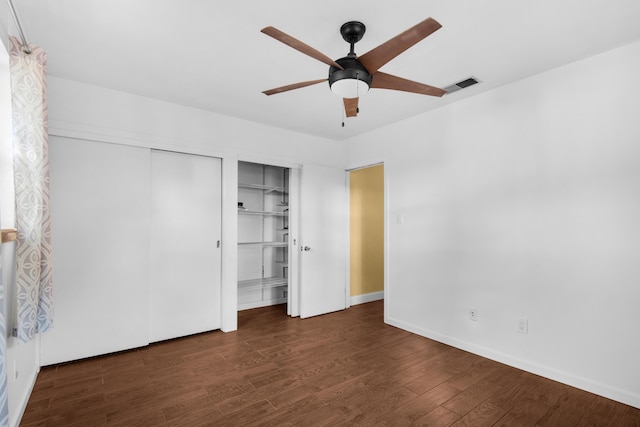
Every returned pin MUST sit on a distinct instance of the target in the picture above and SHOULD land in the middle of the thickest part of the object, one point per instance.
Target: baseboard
(24, 401)
(258, 304)
(361, 299)
(582, 383)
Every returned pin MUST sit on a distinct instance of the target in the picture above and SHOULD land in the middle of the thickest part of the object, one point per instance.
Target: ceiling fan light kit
(352, 76)
(351, 81)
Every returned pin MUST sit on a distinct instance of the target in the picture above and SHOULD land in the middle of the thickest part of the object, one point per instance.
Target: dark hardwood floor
(345, 368)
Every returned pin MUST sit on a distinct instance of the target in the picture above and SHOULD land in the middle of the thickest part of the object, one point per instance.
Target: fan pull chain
(358, 92)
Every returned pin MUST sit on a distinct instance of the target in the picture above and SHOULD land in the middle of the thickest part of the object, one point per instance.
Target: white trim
(294, 239)
(22, 407)
(229, 272)
(364, 298)
(582, 383)
(115, 136)
(347, 240)
(386, 284)
(112, 136)
(347, 233)
(271, 161)
(368, 165)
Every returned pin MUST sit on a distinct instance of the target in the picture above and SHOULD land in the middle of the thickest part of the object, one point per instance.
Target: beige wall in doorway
(367, 230)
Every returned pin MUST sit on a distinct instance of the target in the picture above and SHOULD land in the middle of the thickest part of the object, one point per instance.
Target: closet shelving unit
(263, 237)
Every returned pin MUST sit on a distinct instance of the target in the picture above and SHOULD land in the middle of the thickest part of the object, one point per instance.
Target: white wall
(103, 112)
(523, 202)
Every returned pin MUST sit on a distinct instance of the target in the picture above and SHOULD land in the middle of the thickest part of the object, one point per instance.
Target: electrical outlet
(473, 314)
(523, 325)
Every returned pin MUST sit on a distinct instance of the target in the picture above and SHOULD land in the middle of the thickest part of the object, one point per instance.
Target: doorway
(314, 249)
(366, 234)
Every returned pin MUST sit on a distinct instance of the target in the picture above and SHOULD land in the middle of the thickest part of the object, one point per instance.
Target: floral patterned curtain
(31, 176)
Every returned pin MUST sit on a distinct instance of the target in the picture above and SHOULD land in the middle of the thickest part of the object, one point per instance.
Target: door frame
(293, 306)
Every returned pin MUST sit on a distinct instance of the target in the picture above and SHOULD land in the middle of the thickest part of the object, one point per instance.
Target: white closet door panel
(100, 197)
(322, 231)
(185, 260)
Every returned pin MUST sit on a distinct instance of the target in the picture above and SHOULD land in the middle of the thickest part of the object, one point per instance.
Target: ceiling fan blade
(299, 46)
(351, 106)
(387, 81)
(377, 57)
(292, 87)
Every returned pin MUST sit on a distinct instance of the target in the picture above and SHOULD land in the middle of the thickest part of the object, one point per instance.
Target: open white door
(323, 240)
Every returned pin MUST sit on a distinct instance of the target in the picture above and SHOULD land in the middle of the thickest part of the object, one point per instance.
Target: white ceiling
(211, 55)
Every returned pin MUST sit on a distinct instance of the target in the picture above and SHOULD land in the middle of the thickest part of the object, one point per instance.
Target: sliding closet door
(100, 197)
(185, 254)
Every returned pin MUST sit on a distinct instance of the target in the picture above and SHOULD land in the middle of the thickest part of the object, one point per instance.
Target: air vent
(461, 85)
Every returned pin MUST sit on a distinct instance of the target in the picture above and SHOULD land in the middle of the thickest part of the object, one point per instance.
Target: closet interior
(263, 235)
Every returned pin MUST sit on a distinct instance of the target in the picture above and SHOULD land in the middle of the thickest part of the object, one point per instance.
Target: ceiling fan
(352, 75)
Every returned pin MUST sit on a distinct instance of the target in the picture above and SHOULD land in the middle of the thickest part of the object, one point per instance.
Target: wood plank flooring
(345, 368)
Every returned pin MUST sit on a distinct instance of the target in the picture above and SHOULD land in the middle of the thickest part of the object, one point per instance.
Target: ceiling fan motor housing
(353, 70)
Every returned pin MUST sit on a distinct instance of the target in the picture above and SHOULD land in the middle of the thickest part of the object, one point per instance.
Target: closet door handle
(307, 248)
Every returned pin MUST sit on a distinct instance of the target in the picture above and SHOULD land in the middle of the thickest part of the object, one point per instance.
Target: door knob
(307, 248)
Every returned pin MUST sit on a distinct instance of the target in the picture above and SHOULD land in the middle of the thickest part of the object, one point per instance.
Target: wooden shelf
(267, 282)
(9, 235)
